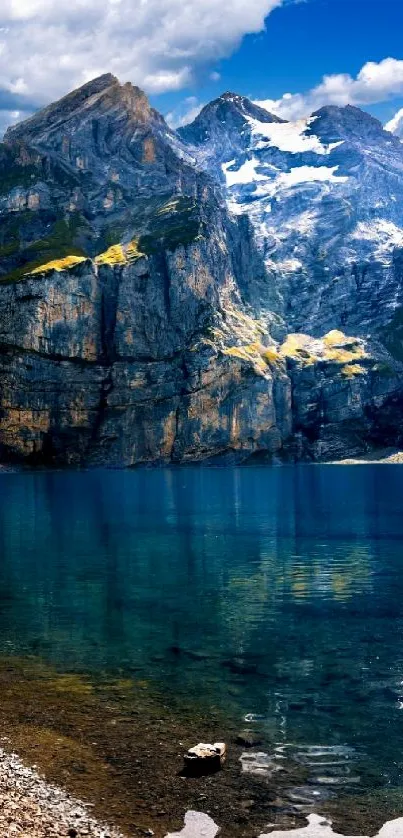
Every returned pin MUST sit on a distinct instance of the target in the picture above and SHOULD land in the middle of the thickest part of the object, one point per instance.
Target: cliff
(141, 319)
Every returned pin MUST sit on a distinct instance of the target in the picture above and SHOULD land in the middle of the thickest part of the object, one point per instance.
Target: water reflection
(276, 592)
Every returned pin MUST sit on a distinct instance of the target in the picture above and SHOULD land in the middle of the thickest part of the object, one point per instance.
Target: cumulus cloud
(376, 82)
(48, 47)
(395, 125)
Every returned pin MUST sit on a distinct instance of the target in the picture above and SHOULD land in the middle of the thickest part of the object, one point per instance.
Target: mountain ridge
(220, 293)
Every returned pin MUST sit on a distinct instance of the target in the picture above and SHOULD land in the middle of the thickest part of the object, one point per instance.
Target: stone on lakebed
(205, 758)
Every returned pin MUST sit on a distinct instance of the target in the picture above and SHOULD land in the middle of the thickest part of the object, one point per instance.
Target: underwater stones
(248, 739)
(205, 759)
(319, 827)
(307, 796)
(197, 825)
(259, 764)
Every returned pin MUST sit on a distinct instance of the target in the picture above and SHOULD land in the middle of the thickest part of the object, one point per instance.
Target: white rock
(206, 756)
(197, 825)
(319, 827)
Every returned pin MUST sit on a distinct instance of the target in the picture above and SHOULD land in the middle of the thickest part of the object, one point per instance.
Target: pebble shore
(32, 808)
(386, 455)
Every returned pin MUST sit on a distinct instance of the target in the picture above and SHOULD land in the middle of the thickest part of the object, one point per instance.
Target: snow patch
(269, 185)
(290, 136)
(296, 176)
(245, 174)
(384, 233)
(307, 174)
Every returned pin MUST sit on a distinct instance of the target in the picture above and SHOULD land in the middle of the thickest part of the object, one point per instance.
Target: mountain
(99, 161)
(325, 197)
(228, 292)
(224, 126)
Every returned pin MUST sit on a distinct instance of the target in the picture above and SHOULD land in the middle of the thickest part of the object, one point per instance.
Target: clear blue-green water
(272, 592)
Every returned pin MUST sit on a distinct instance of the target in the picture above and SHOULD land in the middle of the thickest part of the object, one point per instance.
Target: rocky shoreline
(30, 806)
(111, 750)
(385, 456)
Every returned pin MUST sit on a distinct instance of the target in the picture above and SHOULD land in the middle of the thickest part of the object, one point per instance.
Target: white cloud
(374, 83)
(48, 47)
(10, 118)
(185, 112)
(395, 126)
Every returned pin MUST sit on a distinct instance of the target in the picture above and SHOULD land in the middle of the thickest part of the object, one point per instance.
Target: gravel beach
(386, 455)
(33, 808)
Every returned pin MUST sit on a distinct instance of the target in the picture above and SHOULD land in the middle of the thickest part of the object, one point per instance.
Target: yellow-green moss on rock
(335, 347)
(351, 370)
(119, 254)
(59, 265)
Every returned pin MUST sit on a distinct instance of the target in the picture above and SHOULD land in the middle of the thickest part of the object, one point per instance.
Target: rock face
(152, 309)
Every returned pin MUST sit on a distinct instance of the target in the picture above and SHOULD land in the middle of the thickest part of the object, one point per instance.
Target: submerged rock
(197, 825)
(259, 763)
(248, 739)
(319, 827)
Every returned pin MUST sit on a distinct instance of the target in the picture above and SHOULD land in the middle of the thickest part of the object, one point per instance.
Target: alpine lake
(142, 612)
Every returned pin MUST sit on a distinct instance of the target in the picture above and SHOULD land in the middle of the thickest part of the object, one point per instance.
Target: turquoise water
(275, 595)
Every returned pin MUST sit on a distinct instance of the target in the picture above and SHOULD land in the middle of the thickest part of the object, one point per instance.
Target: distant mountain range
(228, 292)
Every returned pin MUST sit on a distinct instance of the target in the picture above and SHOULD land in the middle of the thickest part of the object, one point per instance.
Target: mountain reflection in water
(272, 592)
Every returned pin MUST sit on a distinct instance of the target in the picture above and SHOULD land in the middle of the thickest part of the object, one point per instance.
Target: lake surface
(274, 596)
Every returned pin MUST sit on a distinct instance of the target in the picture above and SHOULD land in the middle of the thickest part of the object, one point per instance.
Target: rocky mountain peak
(349, 123)
(57, 112)
(225, 118)
(236, 102)
(100, 98)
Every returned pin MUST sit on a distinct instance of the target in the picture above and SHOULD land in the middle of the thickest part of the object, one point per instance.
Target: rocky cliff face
(151, 307)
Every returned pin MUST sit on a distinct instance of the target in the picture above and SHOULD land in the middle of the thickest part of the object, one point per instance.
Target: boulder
(205, 758)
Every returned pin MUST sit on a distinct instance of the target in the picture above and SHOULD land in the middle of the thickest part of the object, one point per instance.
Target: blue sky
(185, 52)
(303, 42)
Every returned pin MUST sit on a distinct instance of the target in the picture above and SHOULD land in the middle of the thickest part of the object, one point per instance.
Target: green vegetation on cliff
(176, 223)
(28, 257)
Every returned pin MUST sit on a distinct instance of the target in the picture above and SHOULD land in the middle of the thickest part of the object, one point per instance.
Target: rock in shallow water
(205, 758)
(259, 764)
(197, 825)
(248, 739)
(319, 827)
